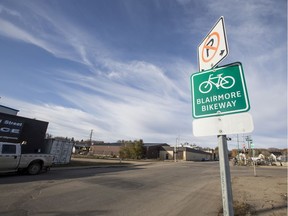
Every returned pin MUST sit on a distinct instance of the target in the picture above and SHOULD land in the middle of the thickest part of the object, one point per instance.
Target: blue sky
(122, 67)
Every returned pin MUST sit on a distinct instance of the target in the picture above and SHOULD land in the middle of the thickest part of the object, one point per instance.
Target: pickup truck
(12, 160)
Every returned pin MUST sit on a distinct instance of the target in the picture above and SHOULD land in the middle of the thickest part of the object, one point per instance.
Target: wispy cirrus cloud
(132, 102)
(124, 96)
(36, 26)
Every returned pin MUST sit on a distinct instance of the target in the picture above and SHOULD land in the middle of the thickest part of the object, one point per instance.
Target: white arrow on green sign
(219, 91)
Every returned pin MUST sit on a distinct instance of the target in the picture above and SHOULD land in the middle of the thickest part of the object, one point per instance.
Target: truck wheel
(34, 168)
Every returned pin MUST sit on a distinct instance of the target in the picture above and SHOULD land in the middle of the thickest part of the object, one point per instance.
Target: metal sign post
(219, 101)
(253, 155)
(227, 198)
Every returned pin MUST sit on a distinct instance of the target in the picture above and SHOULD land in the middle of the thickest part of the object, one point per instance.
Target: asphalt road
(154, 189)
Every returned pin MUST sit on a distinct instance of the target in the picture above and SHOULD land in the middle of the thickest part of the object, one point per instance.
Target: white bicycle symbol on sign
(223, 82)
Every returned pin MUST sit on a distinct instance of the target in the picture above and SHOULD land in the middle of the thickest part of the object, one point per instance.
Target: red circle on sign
(211, 47)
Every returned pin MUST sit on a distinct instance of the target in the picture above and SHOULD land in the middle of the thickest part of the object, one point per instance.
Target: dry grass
(241, 209)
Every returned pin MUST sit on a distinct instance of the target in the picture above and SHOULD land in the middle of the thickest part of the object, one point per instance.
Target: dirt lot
(261, 194)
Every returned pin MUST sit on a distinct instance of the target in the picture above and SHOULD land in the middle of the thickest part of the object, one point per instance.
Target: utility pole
(238, 144)
(91, 133)
(175, 150)
(249, 141)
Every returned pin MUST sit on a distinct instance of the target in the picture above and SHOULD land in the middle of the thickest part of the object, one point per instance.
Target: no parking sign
(214, 47)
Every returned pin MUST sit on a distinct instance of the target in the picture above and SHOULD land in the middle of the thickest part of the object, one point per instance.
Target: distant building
(160, 151)
(190, 154)
(184, 153)
(152, 150)
(105, 149)
(167, 153)
(8, 110)
(81, 148)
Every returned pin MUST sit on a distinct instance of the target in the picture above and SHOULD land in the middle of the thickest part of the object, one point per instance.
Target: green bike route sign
(219, 91)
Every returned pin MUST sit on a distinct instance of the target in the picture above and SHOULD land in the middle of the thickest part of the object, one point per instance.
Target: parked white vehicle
(11, 160)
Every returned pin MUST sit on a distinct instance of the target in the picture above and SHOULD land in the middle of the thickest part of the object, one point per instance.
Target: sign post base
(227, 197)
